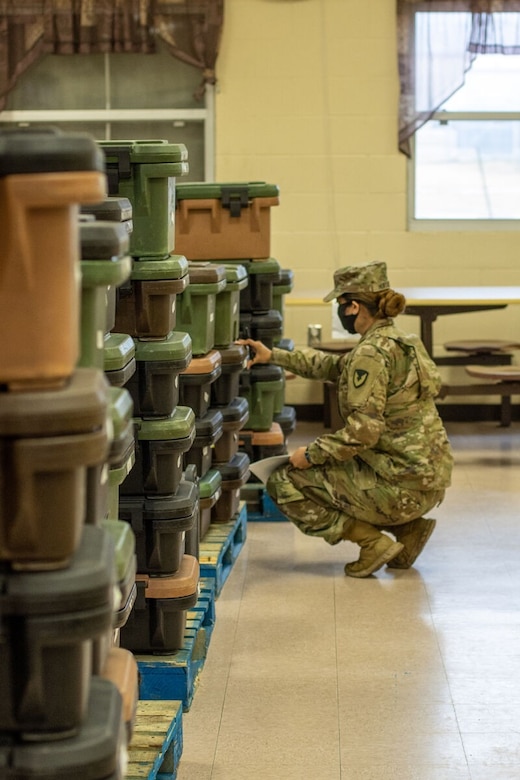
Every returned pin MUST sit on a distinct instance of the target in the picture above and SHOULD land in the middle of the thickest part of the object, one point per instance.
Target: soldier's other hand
(299, 460)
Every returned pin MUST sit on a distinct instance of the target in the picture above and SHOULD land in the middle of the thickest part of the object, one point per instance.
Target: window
(465, 164)
(100, 94)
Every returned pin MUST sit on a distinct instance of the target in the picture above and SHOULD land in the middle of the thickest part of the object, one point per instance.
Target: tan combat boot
(376, 549)
(413, 536)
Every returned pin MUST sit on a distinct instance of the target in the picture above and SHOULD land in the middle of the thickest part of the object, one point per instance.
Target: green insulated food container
(224, 221)
(262, 385)
(155, 385)
(144, 171)
(197, 305)
(159, 448)
(104, 265)
(122, 452)
(257, 297)
(210, 490)
(118, 358)
(228, 305)
(146, 304)
(126, 568)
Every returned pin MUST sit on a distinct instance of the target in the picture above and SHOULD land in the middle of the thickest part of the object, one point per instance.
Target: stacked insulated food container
(62, 711)
(230, 224)
(159, 496)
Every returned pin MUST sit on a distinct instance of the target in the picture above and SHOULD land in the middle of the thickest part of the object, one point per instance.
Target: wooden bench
(503, 381)
(488, 359)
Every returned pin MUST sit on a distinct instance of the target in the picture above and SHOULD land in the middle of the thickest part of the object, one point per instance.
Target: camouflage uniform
(391, 462)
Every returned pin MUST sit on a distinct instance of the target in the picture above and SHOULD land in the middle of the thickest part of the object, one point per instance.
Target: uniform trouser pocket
(304, 497)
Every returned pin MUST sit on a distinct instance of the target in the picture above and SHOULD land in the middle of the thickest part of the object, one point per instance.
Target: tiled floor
(407, 675)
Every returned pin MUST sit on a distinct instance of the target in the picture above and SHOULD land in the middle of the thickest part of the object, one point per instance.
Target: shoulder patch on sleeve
(360, 377)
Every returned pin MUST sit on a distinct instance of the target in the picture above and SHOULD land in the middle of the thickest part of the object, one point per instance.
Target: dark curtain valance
(487, 31)
(29, 29)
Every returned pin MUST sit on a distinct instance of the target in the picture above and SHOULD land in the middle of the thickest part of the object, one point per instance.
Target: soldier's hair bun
(391, 303)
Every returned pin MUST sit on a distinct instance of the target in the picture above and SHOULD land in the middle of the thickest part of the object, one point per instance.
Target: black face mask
(347, 320)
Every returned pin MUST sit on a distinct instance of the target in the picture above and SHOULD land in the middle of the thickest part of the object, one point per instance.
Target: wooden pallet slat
(156, 745)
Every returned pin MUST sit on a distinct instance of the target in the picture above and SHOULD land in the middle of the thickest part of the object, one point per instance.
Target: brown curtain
(484, 31)
(32, 28)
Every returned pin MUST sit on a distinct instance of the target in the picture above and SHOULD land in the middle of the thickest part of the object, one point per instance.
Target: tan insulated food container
(121, 669)
(44, 176)
(224, 221)
(146, 305)
(196, 379)
(158, 620)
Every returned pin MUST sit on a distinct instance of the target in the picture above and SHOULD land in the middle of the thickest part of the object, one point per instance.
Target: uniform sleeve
(309, 363)
(362, 395)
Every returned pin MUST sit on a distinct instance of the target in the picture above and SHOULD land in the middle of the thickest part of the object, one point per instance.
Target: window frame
(112, 116)
(456, 224)
(442, 224)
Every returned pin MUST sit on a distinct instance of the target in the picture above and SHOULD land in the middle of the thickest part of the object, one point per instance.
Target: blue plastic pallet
(219, 548)
(156, 745)
(176, 675)
(267, 510)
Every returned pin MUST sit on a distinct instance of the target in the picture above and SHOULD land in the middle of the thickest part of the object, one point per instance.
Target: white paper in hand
(264, 468)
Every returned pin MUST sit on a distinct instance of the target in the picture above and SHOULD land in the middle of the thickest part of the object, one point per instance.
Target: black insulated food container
(96, 752)
(49, 442)
(49, 623)
(159, 525)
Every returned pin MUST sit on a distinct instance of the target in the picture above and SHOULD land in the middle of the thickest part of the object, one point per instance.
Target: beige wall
(307, 99)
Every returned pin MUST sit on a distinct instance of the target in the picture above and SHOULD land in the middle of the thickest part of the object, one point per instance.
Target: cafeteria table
(429, 303)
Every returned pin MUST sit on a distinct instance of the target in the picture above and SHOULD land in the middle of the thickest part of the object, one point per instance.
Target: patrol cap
(359, 279)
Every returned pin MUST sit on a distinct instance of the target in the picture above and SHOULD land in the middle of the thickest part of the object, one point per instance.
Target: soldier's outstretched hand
(259, 353)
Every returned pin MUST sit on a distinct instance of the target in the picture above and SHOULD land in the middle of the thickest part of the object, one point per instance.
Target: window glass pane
(61, 82)
(468, 170)
(439, 55)
(491, 84)
(164, 81)
(77, 81)
(189, 133)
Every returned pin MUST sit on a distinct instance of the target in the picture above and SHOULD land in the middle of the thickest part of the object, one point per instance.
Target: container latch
(234, 198)
(118, 169)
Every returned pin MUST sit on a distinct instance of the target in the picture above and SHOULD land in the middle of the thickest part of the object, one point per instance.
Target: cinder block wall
(307, 98)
